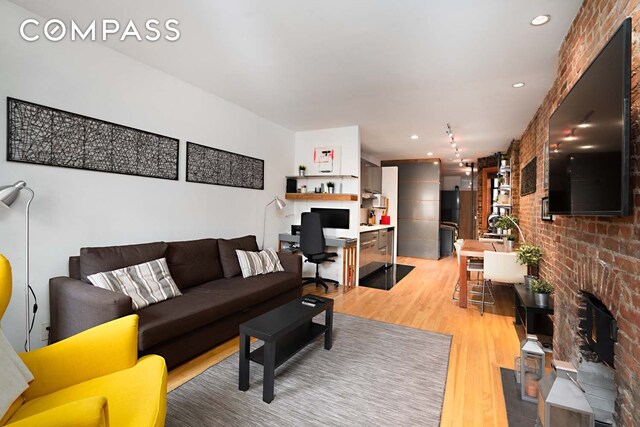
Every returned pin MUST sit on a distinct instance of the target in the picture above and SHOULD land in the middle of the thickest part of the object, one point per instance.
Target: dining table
(475, 249)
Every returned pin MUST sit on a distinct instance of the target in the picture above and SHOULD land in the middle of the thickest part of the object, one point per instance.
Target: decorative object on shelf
(280, 204)
(531, 368)
(528, 178)
(302, 170)
(8, 195)
(327, 160)
(503, 160)
(48, 136)
(208, 165)
(317, 190)
(544, 210)
(541, 290)
(529, 255)
(562, 399)
(330, 187)
(303, 189)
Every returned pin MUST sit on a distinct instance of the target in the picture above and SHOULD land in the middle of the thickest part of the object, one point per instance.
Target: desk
(349, 255)
(473, 248)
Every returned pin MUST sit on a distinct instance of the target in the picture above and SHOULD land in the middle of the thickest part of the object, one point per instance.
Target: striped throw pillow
(255, 263)
(146, 284)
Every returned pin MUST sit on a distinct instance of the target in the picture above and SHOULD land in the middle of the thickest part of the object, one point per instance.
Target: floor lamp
(280, 204)
(8, 195)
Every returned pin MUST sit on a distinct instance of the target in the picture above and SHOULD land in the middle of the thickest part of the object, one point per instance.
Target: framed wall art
(208, 165)
(48, 136)
(528, 178)
(544, 210)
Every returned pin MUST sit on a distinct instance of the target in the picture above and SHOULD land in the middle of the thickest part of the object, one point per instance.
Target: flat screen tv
(333, 218)
(589, 137)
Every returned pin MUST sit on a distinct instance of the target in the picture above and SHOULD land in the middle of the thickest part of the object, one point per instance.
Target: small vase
(542, 300)
(527, 280)
(508, 244)
(301, 172)
(330, 190)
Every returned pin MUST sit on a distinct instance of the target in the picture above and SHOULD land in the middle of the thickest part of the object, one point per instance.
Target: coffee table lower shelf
(290, 344)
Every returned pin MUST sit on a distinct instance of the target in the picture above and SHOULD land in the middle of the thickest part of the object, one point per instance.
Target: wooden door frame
(486, 195)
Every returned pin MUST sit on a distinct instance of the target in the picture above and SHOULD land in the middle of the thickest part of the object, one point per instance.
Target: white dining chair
(472, 266)
(500, 267)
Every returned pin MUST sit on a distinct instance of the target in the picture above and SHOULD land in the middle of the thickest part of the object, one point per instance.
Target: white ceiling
(393, 67)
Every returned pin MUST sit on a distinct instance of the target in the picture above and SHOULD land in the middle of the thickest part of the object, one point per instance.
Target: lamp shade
(9, 193)
(280, 204)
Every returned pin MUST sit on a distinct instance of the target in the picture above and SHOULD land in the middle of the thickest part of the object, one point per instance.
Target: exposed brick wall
(596, 254)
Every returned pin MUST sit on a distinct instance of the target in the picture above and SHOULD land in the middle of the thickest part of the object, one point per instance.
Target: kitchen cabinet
(370, 177)
(376, 250)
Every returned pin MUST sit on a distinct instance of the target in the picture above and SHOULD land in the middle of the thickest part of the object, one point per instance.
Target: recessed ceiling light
(436, 162)
(518, 85)
(429, 153)
(414, 137)
(540, 20)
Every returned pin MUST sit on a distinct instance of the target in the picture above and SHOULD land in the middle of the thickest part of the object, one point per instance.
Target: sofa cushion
(194, 262)
(204, 304)
(147, 283)
(107, 258)
(228, 257)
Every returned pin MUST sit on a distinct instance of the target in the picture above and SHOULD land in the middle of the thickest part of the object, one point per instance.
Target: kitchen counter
(365, 228)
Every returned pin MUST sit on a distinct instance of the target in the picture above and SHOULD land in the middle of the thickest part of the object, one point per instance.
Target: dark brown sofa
(216, 298)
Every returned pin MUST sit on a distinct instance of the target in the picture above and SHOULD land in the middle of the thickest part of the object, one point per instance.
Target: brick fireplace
(597, 255)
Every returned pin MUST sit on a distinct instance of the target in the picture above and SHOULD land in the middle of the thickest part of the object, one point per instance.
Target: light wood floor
(481, 344)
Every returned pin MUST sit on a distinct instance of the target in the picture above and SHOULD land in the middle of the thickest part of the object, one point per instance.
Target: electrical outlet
(44, 332)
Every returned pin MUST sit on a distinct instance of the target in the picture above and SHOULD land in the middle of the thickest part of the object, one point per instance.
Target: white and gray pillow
(147, 283)
(255, 263)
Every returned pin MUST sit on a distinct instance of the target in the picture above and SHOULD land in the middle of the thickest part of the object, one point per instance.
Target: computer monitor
(333, 218)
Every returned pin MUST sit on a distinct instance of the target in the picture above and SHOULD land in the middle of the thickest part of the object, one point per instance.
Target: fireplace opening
(596, 369)
(599, 329)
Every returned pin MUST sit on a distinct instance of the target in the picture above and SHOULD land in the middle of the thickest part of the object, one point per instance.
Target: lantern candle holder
(531, 368)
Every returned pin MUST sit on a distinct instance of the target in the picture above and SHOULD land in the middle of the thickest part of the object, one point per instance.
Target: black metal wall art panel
(207, 165)
(48, 136)
(528, 178)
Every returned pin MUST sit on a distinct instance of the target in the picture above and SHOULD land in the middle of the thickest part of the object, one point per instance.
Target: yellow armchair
(93, 378)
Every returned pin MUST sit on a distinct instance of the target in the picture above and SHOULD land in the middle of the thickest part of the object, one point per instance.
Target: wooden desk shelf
(321, 196)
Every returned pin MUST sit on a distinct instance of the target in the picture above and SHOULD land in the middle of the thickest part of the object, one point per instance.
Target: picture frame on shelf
(544, 210)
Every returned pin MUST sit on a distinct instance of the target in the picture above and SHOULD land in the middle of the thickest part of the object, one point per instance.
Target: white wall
(75, 208)
(348, 139)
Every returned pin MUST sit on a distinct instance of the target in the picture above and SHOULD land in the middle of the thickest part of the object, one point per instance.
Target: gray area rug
(519, 412)
(376, 374)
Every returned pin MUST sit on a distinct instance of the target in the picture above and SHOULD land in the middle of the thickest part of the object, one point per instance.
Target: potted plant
(302, 170)
(541, 290)
(506, 223)
(529, 255)
(330, 187)
(508, 243)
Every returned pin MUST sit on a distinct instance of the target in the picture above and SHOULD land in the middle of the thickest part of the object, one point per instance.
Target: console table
(349, 254)
(534, 318)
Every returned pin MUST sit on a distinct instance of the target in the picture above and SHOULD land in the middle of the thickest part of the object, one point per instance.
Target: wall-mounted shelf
(499, 205)
(321, 196)
(321, 176)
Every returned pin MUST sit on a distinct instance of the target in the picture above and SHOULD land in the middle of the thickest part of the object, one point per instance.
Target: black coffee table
(285, 331)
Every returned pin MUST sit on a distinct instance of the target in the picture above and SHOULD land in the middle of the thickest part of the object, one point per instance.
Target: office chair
(312, 244)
